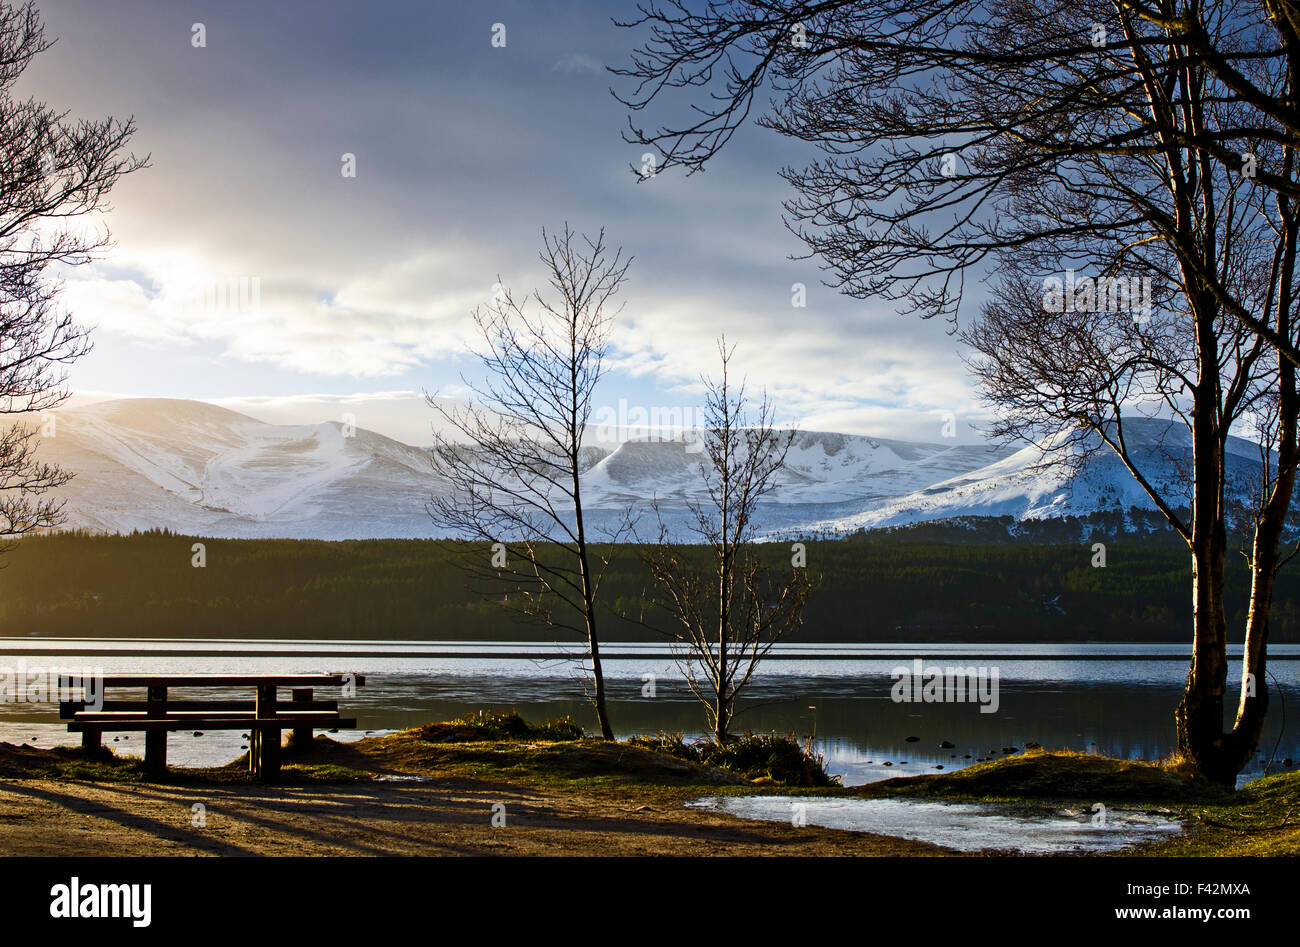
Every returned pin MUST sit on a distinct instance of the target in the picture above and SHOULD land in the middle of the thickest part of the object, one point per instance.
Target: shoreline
(454, 649)
(410, 794)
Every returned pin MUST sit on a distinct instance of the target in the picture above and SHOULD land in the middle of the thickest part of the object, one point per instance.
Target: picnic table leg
(254, 737)
(155, 741)
(268, 763)
(91, 739)
(301, 735)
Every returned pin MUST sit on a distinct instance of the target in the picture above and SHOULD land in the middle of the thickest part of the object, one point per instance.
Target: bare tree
(726, 609)
(1011, 141)
(513, 459)
(1214, 244)
(1079, 381)
(53, 172)
(926, 113)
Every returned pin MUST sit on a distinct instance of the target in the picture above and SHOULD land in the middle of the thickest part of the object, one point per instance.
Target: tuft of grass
(91, 766)
(571, 765)
(500, 725)
(762, 757)
(1064, 775)
(674, 744)
(322, 773)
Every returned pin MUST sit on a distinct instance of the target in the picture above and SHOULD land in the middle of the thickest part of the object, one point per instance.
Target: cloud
(401, 415)
(463, 153)
(405, 416)
(579, 63)
(368, 325)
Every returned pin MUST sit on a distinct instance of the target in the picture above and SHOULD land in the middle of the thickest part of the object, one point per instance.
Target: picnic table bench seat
(188, 721)
(69, 708)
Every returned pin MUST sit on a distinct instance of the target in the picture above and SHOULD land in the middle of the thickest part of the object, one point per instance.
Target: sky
(357, 291)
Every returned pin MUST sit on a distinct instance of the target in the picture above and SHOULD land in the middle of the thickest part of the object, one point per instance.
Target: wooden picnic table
(265, 716)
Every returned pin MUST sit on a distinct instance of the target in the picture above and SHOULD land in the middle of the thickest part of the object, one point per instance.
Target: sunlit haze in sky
(463, 153)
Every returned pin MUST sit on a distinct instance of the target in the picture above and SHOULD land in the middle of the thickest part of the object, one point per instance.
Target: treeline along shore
(903, 586)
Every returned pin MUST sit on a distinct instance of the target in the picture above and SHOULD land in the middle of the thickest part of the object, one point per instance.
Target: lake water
(1118, 700)
(966, 827)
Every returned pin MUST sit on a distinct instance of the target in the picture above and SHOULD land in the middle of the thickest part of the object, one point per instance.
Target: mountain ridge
(202, 469)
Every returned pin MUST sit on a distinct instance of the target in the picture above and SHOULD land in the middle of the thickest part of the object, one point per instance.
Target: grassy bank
(504, 754)
(1261, 818)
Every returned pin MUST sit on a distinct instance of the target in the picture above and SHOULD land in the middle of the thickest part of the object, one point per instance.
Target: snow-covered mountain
(200, 469)
(827, 477)
(1024, 487)
(196, 468)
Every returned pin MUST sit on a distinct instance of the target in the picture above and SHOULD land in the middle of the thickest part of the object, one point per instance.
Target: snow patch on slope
(201, 469)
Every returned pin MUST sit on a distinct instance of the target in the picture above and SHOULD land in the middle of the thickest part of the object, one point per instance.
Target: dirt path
(449, 817)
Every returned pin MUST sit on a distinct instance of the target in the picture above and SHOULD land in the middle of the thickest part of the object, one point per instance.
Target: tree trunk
(1241, 742)
(1218, 755)
(1199, 717)
(593, 640)
(724, 577)
(589, 602)
(720, 714)
(598, 678)
(1252, 705)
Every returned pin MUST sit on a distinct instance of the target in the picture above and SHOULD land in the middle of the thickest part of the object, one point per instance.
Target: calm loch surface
(1116, 699)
